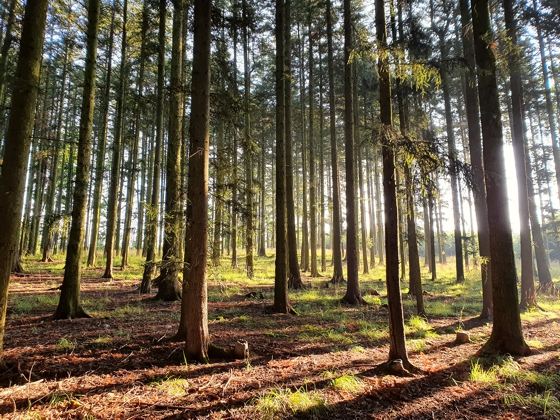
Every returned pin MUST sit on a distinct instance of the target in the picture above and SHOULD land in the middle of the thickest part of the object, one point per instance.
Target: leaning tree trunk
(17, 144)
(507, 336)
(69, 305)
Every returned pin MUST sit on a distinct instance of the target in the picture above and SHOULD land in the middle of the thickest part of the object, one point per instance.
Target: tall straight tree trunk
(528, 296)
(18, 142)
(381, 233)
(294, 276)
(112, 205)
(50, 219)
(152, 215)
(262, 227)
(69, 305)
(248, 146)
(397, 346)
(101, 147)
(475, 149)
(312, 175)
(234, 187)
(304, 149)
(133, 156)
(336, 245)
(353, 295)
(507, 336)
(372, 221)
(322, 166)
(169, 287)
(194, 306)
(281, 302)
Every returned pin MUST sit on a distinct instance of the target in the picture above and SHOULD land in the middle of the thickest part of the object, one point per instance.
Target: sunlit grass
(548, 403)
(173, 386)
(281, 403)
(347, 383)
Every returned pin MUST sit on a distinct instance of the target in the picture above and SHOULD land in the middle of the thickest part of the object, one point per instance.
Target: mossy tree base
(67, 312)
(169, 288)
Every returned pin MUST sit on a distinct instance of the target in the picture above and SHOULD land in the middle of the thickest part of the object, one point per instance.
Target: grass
(281, 403)
(176, 387)
(347, 383)
(27, 304)
(65, 344)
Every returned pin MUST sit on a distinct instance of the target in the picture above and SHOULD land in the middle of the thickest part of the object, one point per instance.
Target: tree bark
(69, 305)
(194, 306)
(17, 144)
(507, 336)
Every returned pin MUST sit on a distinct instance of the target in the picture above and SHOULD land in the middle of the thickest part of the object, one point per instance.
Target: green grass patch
(548, 403)
(173, 386)
(347, 383)
(282, 403)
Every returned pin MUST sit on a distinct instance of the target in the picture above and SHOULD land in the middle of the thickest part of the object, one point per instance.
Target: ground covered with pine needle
(122, 363)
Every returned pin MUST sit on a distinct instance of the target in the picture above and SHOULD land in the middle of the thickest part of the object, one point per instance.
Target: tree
(69, 304)
(338, 276)
(112, 206)
(169, 287)
(397, 348)
(353, 295)
(281, 301)
(17, 145)
(194, 306)
(153, 210)
(507, 336)
(475, 150)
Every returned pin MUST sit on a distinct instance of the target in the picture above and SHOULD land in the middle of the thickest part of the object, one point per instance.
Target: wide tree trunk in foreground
(194, 306)
(17, 144)
(69, 304)
(507, 336)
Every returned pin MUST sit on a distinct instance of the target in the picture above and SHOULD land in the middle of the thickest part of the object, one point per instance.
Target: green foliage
(549, 404)
(65, 344)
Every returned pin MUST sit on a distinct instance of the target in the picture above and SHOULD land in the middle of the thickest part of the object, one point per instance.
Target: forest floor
(121, 363)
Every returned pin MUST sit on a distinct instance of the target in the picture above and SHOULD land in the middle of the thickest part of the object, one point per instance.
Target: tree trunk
(169, 287)
(353, 295)
(248, 149)
(17, 144)
(194, 306)
(397, 348)
(294, 275)
(507, 336)
(152, 215)
(336, 245)
(281, 302)
(312, 175)
(113, 198)
(69, 305)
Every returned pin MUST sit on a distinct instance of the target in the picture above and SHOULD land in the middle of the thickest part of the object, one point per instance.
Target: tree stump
(462, 337)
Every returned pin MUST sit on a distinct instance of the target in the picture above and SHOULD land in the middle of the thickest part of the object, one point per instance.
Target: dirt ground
(123, 365)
